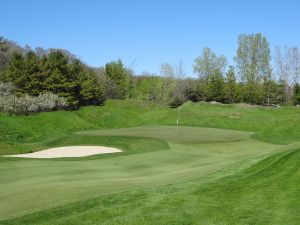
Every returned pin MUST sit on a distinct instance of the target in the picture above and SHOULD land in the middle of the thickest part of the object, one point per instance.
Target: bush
(6, 89)
(176, 102)
(25, 105)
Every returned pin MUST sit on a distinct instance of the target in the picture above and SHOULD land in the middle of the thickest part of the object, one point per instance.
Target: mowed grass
(130, 187)
(179, 156)
(266, 193)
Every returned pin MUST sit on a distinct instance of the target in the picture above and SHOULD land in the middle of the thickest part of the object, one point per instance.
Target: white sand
(70, 151)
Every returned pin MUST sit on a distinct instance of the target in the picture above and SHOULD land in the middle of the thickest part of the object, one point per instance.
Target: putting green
(31, 185)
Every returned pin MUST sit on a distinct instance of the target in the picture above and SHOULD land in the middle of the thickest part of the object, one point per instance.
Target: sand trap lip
(69, 151)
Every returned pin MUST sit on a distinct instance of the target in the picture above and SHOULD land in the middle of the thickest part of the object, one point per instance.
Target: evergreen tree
(270, 92)
(77, 71)
(15, 73)
(91, 92)
(202, 89)
(60, 80)
(296, 96)
(4, 57)
(230, 89)
(36, 79)
(252, 93)
(216, 87)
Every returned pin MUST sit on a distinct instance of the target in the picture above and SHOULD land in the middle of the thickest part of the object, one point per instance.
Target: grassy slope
(30, 133)
(280, 125)
(274, 125)
(70, 180)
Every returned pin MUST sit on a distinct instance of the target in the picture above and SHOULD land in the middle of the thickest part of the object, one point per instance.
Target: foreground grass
(266, 193)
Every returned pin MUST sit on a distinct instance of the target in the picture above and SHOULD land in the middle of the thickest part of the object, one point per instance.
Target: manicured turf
(235, 175)
(266, 193)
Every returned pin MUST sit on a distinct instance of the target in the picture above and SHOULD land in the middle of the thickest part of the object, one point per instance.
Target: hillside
(21, 133)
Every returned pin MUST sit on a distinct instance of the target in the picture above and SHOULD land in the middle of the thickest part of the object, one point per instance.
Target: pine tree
(4, 57)
(36, 79)
(296, 96)
(270, 92)
(91, 92)
(15, 73)
(230, 89)
(59, 78)
(216, 87)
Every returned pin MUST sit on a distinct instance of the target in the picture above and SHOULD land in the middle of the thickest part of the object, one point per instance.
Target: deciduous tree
(119, 76)
(253, 64)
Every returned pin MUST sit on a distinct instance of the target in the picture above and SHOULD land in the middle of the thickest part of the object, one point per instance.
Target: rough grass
(274, 125)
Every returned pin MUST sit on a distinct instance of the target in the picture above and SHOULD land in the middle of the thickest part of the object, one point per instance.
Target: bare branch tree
(181, 83)
(167, 71)
(294, 64)
(283, 71)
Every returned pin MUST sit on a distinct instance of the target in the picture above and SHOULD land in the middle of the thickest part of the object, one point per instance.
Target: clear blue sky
(146, 33)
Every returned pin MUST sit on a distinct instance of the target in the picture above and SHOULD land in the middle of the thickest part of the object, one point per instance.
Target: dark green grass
(52, 125)
(266, 193)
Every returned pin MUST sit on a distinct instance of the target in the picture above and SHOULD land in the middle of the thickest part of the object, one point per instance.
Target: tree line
(252, 80)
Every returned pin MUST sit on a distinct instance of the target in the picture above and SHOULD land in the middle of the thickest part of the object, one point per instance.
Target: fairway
(32, 185)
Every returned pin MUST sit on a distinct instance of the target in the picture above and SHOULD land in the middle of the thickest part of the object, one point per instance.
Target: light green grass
(213, 175)
(266, 193)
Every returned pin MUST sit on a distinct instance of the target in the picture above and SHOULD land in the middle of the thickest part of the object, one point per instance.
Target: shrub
(25, 105)
(6, 89)
(176, 102)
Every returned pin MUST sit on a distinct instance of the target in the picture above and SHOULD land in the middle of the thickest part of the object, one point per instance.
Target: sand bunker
(70, 151)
